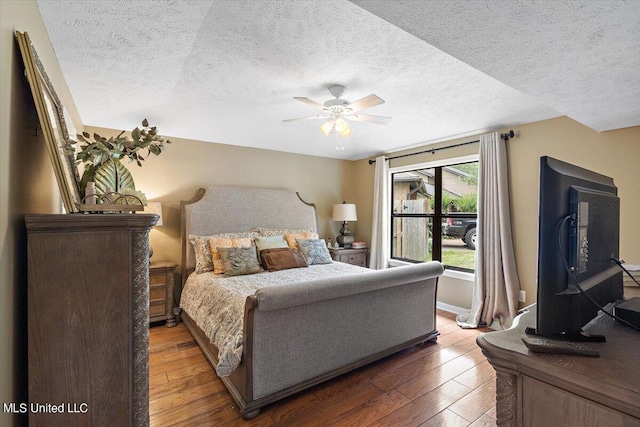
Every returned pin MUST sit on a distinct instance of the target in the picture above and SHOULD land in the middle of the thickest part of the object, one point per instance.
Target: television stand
(581, 336)
(534, 389)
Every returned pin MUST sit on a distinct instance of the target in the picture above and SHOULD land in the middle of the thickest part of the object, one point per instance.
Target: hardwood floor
(447, 383)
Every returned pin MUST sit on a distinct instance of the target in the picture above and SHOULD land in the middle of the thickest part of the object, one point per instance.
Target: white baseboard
(450, 308)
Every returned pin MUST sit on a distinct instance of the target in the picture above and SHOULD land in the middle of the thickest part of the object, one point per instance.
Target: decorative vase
(111, 174)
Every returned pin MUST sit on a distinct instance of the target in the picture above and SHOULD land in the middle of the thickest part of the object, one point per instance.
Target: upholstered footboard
(296, 336)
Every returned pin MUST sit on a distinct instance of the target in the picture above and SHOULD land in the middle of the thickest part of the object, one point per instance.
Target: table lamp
(154, 208)
(345, 212)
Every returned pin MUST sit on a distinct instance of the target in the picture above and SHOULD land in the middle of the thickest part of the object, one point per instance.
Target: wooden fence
(411, 235)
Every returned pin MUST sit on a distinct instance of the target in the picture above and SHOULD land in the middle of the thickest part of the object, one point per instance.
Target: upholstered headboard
(220, 209)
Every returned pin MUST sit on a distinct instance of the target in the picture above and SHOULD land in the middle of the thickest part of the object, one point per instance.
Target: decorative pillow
(203, 254)
(266, 232)
(282, 259)
(292, 237)
(239, 261)
(223, 242)
(202, 249)
(270, 242)
(314, 251)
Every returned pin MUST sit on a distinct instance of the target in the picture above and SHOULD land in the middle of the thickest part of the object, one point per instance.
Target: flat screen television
(578, 235)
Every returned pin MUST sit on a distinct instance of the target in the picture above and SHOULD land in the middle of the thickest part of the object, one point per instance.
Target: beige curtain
(379, 258)
(495, 291)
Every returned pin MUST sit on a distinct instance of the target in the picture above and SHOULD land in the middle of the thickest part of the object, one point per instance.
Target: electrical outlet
(522, 296)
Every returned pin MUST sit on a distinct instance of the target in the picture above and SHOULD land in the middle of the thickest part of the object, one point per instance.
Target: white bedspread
(216, 303)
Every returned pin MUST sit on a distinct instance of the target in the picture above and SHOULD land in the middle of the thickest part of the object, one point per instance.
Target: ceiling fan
(335, 111)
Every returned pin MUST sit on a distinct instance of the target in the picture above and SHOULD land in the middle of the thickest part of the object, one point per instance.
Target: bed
(298, 328)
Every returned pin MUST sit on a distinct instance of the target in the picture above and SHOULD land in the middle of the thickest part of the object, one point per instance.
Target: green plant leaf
(466, 203)
(113, 174)
(87, 176)
(101, 149)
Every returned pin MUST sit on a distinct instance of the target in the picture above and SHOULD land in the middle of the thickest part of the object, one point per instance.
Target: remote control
(543, 345)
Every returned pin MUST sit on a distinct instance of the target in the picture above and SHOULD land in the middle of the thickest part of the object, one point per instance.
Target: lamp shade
(344, 212)
(155, 208)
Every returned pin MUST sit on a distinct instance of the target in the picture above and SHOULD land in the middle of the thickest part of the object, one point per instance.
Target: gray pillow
(314, 251)
(239, 261)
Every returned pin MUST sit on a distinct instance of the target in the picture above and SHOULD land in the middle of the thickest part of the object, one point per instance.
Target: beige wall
(27, 185)
(187, 165)
(614, 153)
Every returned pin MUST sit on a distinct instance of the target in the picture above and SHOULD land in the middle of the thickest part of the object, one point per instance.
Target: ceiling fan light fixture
(341, 125)
(348, 131)
(326, 127)
(337, 111)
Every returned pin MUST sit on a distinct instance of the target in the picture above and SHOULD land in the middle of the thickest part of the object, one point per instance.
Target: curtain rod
(504, 136)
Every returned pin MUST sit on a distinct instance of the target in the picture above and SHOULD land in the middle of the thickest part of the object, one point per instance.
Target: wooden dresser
(534, 389)
(88, 319)
(350, 256)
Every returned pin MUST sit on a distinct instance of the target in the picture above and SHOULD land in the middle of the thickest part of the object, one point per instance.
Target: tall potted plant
(102, 157)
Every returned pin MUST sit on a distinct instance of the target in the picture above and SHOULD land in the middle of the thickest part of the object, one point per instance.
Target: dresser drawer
(157, 278)
(161, 292)
(356, 259)
(157, 292)
(350, 256)
(157, 308)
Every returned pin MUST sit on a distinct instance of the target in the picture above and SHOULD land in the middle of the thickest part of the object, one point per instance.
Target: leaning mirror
(52, 123)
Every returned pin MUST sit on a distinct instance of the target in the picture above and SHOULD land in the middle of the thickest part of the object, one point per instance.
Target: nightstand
(350, 256)
(161, 292)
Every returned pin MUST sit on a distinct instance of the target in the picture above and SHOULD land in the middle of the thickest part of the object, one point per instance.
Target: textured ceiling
(581, 58)
(227, 71)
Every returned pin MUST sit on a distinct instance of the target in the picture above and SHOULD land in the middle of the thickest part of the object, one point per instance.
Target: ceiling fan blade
(304, 118)
(381, 120)
(366, 102)
(309, 102)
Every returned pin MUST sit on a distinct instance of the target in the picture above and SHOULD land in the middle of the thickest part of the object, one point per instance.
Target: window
(434, 215)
